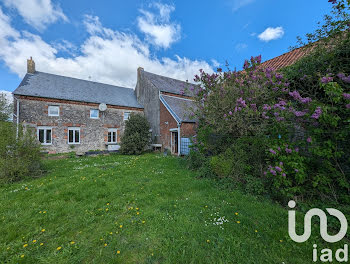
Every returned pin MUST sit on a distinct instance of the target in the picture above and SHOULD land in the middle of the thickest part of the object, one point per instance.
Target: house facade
(69, 114)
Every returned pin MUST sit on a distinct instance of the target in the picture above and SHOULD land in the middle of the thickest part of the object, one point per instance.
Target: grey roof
(47, 85)
(179, 107)
(170, 85)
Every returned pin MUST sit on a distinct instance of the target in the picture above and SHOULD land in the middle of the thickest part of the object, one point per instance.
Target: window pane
(109, 137)
(70, 136)
(77, 136)
(53, 110)
(41, 135)
(114, 136)
(126, 115)
(94, 113)
(48, 136)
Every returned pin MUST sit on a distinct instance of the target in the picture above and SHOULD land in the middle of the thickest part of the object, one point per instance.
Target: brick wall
(94, 132)
(166, 123)
(188, 129)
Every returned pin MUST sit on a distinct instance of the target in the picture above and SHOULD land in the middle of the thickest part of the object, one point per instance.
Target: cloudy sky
(106, 41)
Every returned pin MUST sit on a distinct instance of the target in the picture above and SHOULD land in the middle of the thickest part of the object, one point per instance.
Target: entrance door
(174, 142)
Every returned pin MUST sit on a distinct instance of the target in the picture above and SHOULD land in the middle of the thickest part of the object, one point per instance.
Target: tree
(5, 108)
(136, 135)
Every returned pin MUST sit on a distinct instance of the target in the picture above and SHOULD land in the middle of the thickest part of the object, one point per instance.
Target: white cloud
(271, 34)
(107, 56)
(215, 63)
(37, 13)
(158, 28)
(237, 4)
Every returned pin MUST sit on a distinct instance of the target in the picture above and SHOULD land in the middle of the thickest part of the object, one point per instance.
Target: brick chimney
(30, 66)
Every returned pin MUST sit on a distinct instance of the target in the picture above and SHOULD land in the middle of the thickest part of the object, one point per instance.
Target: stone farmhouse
(69, 114)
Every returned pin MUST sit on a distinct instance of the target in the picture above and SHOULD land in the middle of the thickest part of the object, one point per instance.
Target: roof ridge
(169, 78)
(289, 52)
(82, 80)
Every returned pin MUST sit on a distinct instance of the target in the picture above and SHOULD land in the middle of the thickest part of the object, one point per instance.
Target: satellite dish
(102, 107)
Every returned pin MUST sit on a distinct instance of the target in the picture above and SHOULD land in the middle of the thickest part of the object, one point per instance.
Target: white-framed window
(73, 135)
(54, 110)
(45, 135)
(94, 113)
(112, 135)
(126, 115)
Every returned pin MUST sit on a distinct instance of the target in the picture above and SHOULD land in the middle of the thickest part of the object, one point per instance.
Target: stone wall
(148, 96)
(94, 132)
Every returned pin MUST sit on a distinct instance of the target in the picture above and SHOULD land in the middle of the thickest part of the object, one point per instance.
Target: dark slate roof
(179, 107)
(53, 86)
(170, 85)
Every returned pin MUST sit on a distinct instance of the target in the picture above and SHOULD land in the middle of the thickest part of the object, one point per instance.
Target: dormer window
(54, 110)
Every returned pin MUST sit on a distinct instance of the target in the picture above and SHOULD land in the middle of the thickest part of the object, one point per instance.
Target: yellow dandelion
(72, 242)
(26, 188)
(44, 212)
(111, 233)
(107, 209)
(137, 208)
(138, 213)
(208, 240)
(281, 240)
(42, 230)
(22, 256)
(40, 212)
(107, 203)
(143, 222)
(238, 222)
(236, 213)
(121, 226)
(34, 241)
(59, 248)
(105, 244)
(152, 254)
(118, 251)
(206, 206)
(41, 244)
(256, 231)
(25, 245)
(8, 248)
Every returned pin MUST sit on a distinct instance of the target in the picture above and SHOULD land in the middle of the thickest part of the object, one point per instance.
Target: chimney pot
(30, 66)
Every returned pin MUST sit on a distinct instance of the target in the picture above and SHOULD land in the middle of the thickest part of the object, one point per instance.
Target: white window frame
(128, 113)
(112, 130)
(45, 128)
(53, 106)
(74, 129)
(98, 114)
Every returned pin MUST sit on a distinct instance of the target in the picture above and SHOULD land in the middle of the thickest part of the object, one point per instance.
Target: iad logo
(327, 255)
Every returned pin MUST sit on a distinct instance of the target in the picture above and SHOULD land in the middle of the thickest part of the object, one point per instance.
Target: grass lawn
(139, 209)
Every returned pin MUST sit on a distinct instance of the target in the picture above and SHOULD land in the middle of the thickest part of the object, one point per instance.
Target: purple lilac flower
(273, 172)
(284, 175)
(297, 149)
(346, 96)
(341, 75)
(278, 148)
(230, 113)
(296, 170)
(278, 168)
(281, 163)
(272, 151)
(253, 106)
(288, 150)
(265, 116)
(317, 113)
(348, 106)
(299, 113)
(326, 79)
(309, 139)
(225, 115)
(246, 64)
(266, 107)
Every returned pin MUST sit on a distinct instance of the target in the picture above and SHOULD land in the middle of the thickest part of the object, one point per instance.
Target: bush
(20, 157)
(136, 136)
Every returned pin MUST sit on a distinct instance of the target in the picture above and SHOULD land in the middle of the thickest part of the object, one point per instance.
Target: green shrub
(20, 157)
(136, 136)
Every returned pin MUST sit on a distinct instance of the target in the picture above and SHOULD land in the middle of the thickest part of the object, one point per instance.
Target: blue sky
(106, 41)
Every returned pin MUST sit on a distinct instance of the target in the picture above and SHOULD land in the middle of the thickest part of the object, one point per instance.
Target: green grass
(95, 201)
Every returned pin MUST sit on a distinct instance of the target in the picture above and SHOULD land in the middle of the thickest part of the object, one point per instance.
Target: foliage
(5, 108)
(19, 157)
(136, 135)
(148, 207)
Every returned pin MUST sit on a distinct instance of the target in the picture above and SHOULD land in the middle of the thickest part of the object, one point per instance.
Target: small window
(112, 135)
(54, 110)
(73, 135)
(45, 135)
(126, 115)
(94, 113)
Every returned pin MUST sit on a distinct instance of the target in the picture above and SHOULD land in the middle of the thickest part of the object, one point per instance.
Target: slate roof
(179, 107)
(53, 86)
(286, 59)
(170, 85)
